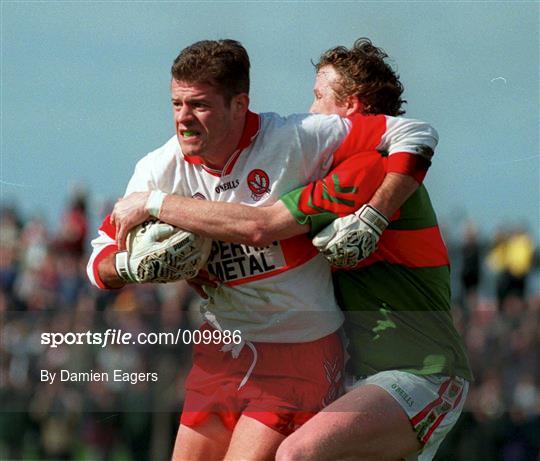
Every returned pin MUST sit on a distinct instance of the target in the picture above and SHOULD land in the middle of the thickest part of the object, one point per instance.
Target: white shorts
(433, 404)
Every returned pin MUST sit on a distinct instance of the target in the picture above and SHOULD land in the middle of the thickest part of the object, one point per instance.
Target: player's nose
(184, 114)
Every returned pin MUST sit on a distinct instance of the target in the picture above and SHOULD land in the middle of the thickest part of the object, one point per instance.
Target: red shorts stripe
(424, 412)
(440, 419)
(432, 428)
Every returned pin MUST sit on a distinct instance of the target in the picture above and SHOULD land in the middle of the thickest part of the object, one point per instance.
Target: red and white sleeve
(102, 246)
(410, 145)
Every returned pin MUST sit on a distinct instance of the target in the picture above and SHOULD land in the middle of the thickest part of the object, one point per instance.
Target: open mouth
(189, 134)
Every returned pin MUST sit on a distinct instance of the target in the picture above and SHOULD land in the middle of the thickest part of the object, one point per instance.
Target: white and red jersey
(282, 292)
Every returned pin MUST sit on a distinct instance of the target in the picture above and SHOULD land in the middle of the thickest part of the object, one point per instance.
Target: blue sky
(85, 89)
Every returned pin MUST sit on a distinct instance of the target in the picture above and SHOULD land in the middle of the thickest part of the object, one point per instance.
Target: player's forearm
(255, 226)
(393, 192)
(107, 272)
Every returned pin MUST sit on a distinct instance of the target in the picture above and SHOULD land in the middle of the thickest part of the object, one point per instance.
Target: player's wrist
(107, 276)
(154, 202)
(121, 264)
(372, 217)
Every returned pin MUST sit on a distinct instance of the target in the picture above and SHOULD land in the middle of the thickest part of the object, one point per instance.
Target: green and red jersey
(397, 301)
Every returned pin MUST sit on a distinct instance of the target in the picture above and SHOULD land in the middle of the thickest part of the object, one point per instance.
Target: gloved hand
(350, 239)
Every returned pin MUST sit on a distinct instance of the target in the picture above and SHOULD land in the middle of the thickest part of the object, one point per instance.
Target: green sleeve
(316, 221)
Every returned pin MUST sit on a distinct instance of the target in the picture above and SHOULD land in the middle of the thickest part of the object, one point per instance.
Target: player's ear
(240, 104)
(353, 105)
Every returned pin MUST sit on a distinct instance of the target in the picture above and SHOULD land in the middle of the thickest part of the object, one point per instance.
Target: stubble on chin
(189, 151)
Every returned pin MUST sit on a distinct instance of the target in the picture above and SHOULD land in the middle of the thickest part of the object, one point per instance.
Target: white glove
(159, 252)
(350, 239)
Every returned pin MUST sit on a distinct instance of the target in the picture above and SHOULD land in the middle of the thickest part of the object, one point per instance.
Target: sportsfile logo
(119, 337)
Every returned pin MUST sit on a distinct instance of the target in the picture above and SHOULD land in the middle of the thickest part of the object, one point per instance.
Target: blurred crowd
(43, 288)
(497, 311)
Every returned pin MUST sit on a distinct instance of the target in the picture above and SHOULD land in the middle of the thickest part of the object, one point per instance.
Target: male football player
(275, 291)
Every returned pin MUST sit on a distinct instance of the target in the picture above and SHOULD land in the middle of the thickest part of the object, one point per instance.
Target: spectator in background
(471, 268)
(519, 261)
(37, 279)
(74, 226)
(10, 229)
(512, 258)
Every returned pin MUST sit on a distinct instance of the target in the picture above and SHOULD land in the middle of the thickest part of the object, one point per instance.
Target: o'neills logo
(258, 183)
(227, 186)
(199, 196)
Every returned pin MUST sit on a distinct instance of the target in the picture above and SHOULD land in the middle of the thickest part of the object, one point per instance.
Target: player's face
(205, 125)
(325, 101)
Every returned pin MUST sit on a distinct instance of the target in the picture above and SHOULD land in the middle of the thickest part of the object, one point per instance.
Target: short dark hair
(365, 74)
(220, 63)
